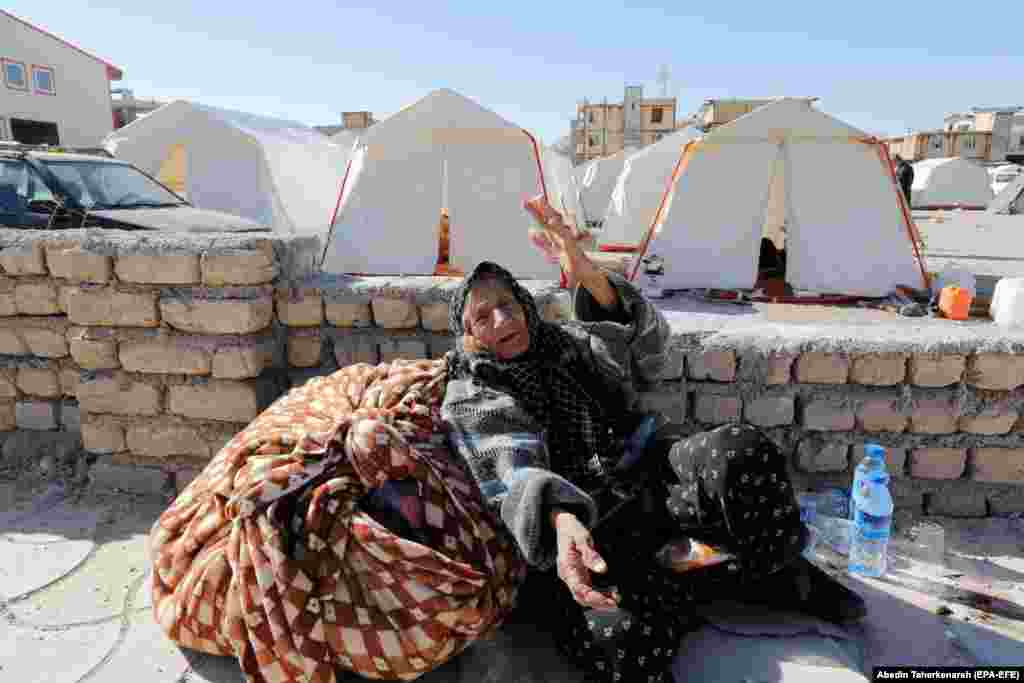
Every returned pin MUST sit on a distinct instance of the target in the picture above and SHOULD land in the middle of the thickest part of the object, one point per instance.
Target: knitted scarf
(550, 381)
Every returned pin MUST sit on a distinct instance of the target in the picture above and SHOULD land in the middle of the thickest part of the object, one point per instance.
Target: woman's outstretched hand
(552, 236)
(577, 557)
(561, 243)
(560, 237)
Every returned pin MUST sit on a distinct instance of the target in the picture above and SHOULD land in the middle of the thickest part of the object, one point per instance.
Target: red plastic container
(955, 303)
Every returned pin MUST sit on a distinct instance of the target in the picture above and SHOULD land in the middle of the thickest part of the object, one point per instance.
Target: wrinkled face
(496, 320)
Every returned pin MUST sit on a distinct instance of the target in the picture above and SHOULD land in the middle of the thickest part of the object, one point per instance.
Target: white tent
(563, 193)
(1010, 200)
(597, 182)
(580, 170)
(279, 173)
(846, 230)
(639, 188)
(1002, 176)
(444, 151)
(345, 139)
(987, 243)
(950, 182)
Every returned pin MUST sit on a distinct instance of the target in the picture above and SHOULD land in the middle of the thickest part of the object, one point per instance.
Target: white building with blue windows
(52, 91)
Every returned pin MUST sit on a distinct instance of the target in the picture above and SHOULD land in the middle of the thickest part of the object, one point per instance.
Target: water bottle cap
(873, 450)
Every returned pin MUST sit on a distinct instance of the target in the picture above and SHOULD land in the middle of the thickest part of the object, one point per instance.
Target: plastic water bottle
(871, 467)
(871, 513)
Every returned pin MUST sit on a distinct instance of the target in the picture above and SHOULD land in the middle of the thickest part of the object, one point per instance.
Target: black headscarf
(549, 380)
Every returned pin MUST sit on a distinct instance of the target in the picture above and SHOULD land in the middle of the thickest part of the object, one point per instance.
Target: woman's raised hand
(561, 245)
(557, 237)
(577, 557)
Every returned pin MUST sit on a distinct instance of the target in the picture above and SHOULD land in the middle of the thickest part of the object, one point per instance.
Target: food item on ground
(686, 554)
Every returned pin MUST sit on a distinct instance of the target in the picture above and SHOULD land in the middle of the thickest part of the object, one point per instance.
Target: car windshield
(105, 185)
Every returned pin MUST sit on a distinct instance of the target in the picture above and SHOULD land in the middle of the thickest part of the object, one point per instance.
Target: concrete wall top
(126, 242)
(294, 257)
(778, 328)
(416, 289)
(265, 260)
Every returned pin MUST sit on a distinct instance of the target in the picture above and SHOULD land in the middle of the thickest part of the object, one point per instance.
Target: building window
(656, 115)
(42, 80)
(590, 116)
(936, 142)
(969, 142)
(14, 75)
(594, 141)
(1020, 143)
(30, 132)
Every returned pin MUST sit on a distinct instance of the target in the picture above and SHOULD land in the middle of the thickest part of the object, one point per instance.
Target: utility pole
(604, 137)
(586, 129)
(664, 76)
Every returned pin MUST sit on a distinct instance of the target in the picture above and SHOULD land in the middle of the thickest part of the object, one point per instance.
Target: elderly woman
(545, 417)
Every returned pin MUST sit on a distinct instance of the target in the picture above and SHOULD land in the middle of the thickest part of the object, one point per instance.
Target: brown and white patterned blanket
(270, 554)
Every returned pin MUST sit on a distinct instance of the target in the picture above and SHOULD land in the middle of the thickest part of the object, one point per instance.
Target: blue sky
(882, 66)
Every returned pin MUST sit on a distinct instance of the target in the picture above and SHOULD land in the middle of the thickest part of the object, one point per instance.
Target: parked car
(53, 188)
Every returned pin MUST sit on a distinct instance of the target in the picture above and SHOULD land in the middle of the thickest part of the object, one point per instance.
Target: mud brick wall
(141, 354)
(947, 400)
(951, 423)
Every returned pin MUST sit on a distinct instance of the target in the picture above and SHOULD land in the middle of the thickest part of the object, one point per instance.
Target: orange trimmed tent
(597, 180)
(794, 174)
(444, 152)
(636, 192)
(563, 192)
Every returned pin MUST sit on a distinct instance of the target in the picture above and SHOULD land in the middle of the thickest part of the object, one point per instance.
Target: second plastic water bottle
(871, 509)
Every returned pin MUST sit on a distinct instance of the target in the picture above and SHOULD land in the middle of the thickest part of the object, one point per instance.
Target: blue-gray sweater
(504, 446)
